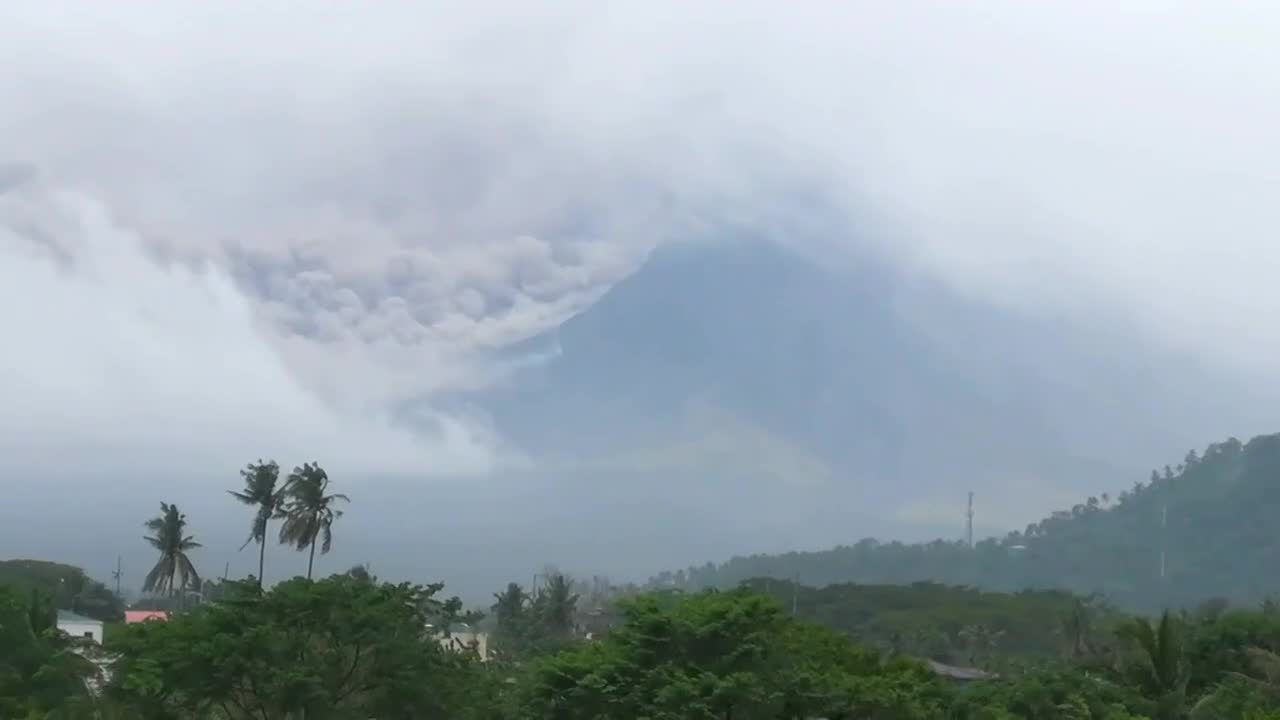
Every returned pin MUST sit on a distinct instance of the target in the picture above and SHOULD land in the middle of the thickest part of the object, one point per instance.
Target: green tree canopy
(40, 674)
(725, 655)
(338, 649)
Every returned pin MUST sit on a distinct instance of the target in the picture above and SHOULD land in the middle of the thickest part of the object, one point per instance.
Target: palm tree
(509, 608)
(260, 492)
(559, 604)
(307, 511)
(1078, 625)
(1163, 673)
(363, 573)
(168, 538)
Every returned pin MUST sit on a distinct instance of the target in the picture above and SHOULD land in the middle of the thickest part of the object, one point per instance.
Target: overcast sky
(241, 228)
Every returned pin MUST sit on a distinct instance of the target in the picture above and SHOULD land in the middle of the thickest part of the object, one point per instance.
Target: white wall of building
(82, 629)
(460, 641)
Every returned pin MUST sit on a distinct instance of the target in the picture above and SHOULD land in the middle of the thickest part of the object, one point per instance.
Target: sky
(260, 228)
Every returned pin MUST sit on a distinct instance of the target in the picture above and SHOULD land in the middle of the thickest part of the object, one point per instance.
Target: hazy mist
(350, 233)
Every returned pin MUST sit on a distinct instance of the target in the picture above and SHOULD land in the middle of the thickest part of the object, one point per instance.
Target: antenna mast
(1164, 537)
(969, 521)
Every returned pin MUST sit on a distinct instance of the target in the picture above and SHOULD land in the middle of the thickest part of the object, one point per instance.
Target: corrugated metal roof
(70, 617)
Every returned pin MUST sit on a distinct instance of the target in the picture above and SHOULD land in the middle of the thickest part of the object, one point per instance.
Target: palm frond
(187, 571)
(245, 498)
(172, 543)
(308, 513)
(158, 579)
(326, 530)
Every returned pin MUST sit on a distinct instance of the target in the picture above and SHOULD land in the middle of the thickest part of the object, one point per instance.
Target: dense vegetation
(957, 625)
(39, 673)
(1219, 541)
(349, 647)
(66, 587)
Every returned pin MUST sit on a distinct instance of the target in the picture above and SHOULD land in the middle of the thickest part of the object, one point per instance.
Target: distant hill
(1213, 515)
(67, 586)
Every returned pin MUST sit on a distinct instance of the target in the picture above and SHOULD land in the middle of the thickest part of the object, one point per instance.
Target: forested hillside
(67, 587)
(1212, 514)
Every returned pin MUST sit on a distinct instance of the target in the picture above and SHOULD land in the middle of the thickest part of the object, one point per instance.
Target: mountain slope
(902, 394)
(1220, 541)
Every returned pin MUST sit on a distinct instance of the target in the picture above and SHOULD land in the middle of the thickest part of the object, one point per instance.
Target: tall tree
(174, 570)
(509, 607)
(260, 492)
(1162, 671)
(558, 604)
(308, 511)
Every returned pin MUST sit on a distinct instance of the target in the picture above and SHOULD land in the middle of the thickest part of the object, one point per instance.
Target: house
(466, 639)
(461, 638)
(137, 616)
(79, 626)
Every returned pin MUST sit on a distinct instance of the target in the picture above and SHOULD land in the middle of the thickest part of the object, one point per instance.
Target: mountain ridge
(908, 393)
(1218, 543)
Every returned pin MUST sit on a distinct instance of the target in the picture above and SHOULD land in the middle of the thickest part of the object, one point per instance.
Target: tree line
(349, 647)
(1193, 531)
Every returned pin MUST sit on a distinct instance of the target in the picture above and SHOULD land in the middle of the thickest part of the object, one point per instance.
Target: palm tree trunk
(311, 559)
(262, 558)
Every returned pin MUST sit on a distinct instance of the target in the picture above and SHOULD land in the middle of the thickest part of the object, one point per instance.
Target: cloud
(114, 360)
(1070, 157)
(264, 217)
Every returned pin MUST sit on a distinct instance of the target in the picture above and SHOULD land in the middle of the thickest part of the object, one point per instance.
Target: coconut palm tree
(260, 492)
(308, 512)
(509, 607)
(558, 604)
(1163, 671)
(174, 570)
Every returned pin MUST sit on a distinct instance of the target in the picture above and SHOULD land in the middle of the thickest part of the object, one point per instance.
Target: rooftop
(66, 616)
(137, 616)
(959, 673)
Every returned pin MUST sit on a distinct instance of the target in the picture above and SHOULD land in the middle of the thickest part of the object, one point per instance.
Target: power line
(795, 594)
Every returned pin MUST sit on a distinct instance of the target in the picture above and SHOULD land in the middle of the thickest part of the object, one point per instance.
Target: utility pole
(969, 521)
(795, 594)
(116, 575)
(1164, 537)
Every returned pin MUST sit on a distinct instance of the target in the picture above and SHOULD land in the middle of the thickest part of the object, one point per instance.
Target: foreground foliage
(337, 648)
(349, 647)
(725, 655)
(40, 674)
